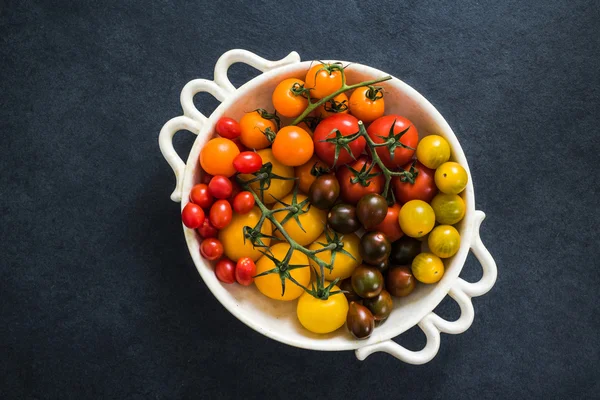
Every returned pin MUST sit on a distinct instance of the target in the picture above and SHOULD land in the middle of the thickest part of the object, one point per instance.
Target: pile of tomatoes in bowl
(323, 199)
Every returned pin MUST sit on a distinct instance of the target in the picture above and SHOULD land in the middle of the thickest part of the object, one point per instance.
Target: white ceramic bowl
(277, 320)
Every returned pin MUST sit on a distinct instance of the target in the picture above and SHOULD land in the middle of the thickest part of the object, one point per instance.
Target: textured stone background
(98, 296)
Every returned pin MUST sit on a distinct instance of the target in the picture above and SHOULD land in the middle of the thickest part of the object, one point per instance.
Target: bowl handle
(221, 88)
(433, 324)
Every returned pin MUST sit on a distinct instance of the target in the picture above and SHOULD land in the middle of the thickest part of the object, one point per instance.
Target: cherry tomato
(346, 286)
(254, 128)
(422, 186)
(366, 103)
(216, 157)
(322, 315)
(192, 215)
(343, 264)
(374, 248)
(400, 281)
(451, 178)
(360, 321)
(293, 146)
(232, 236)
(444, 241)
(342, 218)
(247, 162)
(243, 202)
(305, 175)
(358, 179)
(337, 105)
(380, 306)
(275, 188)
(205, 178)
(433, 151)
(324, 192)
(288, 98)
(307, 227)
(201, 196)
(382, 126)
(206, 230)
(346, 125)
(427, 268)
(245, 269)
(323, 80)
(220, 214)
(416, 218)
(270, 284)
(371, 210)
(390, 226)
(220, 187)
(225, 270)
(228, 128)
(367, 281)
(404, 250)
(449, 208)
(211, 249)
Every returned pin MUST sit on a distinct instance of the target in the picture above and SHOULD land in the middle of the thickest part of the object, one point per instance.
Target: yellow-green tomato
(451, 178)
(343, 265)
(444, 241)
(428, 268)
(449, 209)
(433, 151)
(270, 284)
(232, 236)
(311, 218)
(416, 218)
(322, 316)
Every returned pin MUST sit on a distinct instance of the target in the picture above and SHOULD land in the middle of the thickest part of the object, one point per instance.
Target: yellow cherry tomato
(270, 284)
(288, 98)
(449, 209)
(337, 105)
(303, 173)
(216, 157)
(367, 104)
(323, 80)
(444, 241)
(416, 218)
(343, 265)
(433, 151)
(235, 246)
(322, 316)
(254, 128)
(312, 220)
(451, 178)
(278, 188)
(428, 268)
(293, 146)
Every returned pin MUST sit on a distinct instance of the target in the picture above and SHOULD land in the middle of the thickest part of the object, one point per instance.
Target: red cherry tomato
(192, 215)
(220, 214)
(247, 162)
(390, 226)
(347, 125)
(206, 230)
(423, 188)
(243, 202)
(245, 269)
(381, 127)
(225, 270)
(355, 185)
(228, 128)
(200, 195)
(220, 186)
(211, 249)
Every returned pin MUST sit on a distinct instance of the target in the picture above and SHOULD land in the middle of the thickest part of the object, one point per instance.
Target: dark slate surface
(99, 298)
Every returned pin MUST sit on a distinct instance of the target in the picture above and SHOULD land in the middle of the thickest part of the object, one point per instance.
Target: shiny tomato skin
(192, 215)
(424, 187)
(381, 127)
(211, 249)
(390, 226)
(220, 187)
(220, 214)
(228, 128)
(247, 162)
(201, 196)
(225, 270)
(350, 192)
(206, 230)
(245, 269)
(347, 125)
(243, 202)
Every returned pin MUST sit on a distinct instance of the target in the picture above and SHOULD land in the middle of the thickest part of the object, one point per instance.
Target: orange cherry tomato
(293, 146)
(337, 105)
(323, 80)
(288, 98)
(216, 157)
(366, 103)
(304, 175)
(255, 128)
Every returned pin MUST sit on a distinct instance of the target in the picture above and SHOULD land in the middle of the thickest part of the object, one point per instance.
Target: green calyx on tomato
(335, 245)
(267, 115)
(263, 176)
(392, 141)
(374, 93)
(294, 209)
(283, 268)
(364, 176)
(341, 142)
